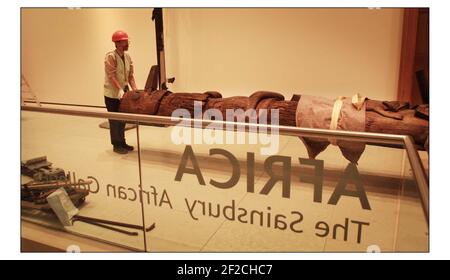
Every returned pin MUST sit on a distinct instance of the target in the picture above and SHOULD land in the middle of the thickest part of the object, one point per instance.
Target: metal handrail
(378, 138)
(200, 123)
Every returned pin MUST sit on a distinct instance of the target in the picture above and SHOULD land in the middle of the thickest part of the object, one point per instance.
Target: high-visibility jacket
(122, 69)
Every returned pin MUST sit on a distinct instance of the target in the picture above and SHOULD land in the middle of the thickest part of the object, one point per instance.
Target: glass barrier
(102, 185)
(211, 191)
(230, 198)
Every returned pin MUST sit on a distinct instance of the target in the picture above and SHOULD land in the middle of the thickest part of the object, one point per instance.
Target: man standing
(118, 74)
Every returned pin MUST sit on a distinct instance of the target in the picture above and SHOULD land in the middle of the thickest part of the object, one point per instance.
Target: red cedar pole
(139, 101)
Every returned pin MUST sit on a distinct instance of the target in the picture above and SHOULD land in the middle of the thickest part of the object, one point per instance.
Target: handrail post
(419, 174)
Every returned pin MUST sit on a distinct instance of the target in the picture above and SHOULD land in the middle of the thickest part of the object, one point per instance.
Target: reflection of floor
(270, 222)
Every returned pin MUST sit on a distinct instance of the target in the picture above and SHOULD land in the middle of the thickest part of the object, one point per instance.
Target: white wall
(328, 52)
(63, 50)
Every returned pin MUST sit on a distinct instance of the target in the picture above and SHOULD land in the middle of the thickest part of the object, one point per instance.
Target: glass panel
(227, 196)
(413, 231)
(82, 149)
(230, 197)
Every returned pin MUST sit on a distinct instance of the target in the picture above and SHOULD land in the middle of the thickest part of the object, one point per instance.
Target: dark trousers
(116, 128)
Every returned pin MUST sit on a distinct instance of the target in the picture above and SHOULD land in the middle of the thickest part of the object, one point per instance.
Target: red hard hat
(119, 36)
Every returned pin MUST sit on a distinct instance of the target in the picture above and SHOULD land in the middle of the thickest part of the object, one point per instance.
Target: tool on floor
(67, 213)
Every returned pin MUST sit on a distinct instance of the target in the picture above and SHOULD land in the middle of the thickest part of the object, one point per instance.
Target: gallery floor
(195, 217)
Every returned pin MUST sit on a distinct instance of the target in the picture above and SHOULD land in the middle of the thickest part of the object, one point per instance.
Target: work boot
(120, 150)
(127, 147)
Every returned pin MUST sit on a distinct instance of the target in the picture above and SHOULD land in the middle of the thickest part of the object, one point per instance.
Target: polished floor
(189, 216)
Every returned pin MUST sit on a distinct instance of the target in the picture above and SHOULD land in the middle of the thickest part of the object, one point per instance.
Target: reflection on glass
(111, 211)
(220, 197)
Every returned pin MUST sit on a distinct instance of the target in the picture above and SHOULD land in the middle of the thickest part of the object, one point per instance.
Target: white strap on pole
(357, 102)
(335, 116)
